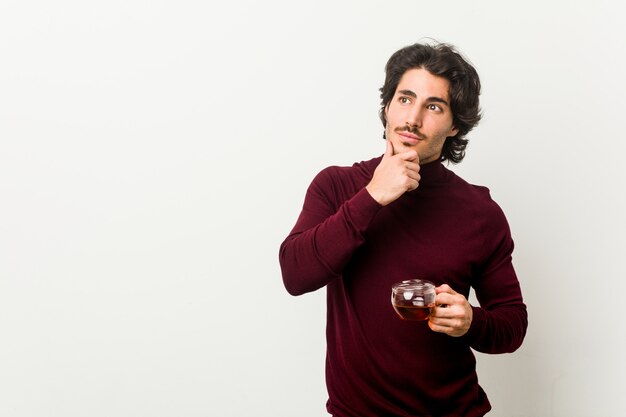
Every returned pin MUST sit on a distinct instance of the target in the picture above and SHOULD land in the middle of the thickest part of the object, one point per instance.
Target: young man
(402, 216)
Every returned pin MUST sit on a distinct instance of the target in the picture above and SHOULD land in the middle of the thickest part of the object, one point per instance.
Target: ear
(453, 131)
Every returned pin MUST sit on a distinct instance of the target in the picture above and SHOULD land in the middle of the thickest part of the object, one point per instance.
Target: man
(402, 216)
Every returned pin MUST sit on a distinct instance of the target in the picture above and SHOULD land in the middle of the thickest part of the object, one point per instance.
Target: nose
(414, 116)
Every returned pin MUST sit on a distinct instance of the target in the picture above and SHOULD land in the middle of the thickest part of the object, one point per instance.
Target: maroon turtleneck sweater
(445, 231)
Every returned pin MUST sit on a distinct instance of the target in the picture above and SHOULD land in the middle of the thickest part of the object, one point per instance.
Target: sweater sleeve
(499, 324)
(325, 236)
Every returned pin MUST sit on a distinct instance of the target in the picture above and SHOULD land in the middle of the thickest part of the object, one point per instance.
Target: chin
(410, 146)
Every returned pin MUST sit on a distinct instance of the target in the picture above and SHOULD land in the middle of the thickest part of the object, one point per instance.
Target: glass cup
(413, 299)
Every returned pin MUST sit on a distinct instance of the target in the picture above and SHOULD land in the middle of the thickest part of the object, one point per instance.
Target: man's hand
(395, 175)
(453, 313)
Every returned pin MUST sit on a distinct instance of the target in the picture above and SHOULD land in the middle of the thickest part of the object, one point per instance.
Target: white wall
(153, 155)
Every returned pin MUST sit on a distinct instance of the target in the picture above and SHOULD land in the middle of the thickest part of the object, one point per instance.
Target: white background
(154, 154)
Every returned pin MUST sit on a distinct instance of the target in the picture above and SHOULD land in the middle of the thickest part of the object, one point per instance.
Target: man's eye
(404, 100)
(434, 107)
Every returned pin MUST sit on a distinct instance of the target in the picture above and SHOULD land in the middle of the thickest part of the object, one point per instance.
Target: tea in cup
(413, 299)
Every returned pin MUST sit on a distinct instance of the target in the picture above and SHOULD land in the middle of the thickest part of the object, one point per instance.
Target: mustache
(410, 129)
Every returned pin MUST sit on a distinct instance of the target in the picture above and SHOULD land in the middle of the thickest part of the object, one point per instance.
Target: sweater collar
(433, 173)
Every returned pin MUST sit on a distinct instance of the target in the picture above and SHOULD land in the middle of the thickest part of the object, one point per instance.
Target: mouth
(409, 138)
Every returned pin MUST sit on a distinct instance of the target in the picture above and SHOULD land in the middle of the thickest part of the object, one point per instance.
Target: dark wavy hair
(445, 61)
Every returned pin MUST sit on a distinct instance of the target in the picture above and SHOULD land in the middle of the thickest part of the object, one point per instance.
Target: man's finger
(440, 311)
(445, 288)
(414, 175)
(445, 299)
(389, 149)
(412, 166)
(409, 156)
(443, 321)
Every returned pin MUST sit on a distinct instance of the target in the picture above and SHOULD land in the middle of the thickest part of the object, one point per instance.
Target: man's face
(419, 116)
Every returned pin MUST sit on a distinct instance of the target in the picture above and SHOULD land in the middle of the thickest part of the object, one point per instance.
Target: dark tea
(412, 312)
(412, 299)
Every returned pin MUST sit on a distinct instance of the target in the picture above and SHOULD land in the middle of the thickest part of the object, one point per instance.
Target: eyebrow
(429, 99)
